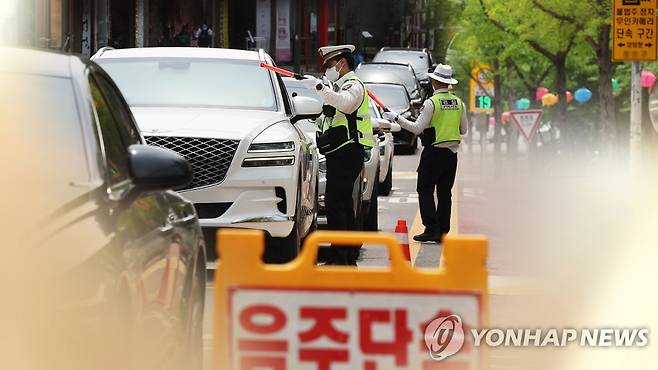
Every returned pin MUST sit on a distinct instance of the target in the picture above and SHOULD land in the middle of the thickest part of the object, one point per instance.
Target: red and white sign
(302, 329)
(527, 121)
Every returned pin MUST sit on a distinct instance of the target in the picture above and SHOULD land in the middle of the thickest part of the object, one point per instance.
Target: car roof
(30, 61)
(178, 52)
(390, 84)
(386, 64)
(388, 48)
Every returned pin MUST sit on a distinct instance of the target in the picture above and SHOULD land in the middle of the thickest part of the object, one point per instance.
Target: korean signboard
(300, 316)
(482, 90)
(634, 35)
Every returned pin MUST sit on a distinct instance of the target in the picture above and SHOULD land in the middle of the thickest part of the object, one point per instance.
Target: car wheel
(414, 146)
(316, 208)
(371, 216)
(286, 249)
(386, 187)
(358, 203)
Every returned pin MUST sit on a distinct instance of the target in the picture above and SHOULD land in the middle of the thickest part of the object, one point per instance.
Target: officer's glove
(311, 83)
(391, 116)
(329, 111)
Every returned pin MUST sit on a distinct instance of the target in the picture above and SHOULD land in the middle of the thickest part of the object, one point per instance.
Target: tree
(551, 37)
(593, 18)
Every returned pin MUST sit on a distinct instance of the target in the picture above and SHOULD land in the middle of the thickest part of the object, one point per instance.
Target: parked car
(365, 188)
(121, 254)
(384, 130)
(420, 60)
(395, 97)
(253, 168)
(396, 73)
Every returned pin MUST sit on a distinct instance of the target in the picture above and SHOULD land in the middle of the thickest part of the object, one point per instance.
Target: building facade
(290, 30)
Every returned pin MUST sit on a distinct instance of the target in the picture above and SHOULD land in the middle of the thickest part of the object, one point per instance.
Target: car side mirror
(417, 103)
(155, 168)
(306, 108)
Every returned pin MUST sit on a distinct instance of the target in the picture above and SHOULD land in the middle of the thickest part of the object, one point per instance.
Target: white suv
(233, 121)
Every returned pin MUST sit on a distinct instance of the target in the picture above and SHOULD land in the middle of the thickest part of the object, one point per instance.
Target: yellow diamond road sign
(634, 34)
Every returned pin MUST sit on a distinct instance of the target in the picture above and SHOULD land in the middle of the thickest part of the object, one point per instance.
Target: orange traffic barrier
(300, 315)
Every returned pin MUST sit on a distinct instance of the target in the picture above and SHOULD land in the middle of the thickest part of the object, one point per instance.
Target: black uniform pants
(436, 172)
(343, 168)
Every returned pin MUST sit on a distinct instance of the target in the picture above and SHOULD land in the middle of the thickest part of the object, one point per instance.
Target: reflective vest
(361, 120)
(447, 117)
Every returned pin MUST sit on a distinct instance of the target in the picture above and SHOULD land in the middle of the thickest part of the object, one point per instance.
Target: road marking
(401, 200)
(417, 228)
(414, 246)
(405, 175)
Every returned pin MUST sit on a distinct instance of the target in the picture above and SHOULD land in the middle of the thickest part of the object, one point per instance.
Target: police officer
(345, 127)
(442, 121)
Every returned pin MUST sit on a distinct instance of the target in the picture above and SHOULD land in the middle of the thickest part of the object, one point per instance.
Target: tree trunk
(561, 86)
(498, 105)
(608, 124)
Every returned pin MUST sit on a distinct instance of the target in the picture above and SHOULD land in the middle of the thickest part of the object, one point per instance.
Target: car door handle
(167, 229)
(185, 220)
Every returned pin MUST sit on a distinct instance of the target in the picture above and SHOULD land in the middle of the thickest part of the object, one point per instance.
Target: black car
(420, 59)
(396, 98)
(119, 256)
(396, 73)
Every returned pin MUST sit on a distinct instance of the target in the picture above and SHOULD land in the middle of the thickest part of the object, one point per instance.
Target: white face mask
(332, 74)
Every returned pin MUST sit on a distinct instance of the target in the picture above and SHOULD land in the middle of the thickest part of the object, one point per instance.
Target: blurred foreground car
(253, 168)
(125, 255)
(395, 97)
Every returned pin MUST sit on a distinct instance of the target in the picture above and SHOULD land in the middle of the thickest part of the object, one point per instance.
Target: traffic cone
(402, 233)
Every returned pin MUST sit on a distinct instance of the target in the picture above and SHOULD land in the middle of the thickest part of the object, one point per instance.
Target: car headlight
(269, 161)
(323, 165)
(285, 146)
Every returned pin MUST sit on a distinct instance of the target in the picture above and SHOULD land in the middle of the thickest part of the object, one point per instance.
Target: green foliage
(521, 36)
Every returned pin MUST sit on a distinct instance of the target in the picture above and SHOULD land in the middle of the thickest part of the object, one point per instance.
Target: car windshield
(192, 82)
(387, 73)
(393, 96)
(418, 60)
(40, 119)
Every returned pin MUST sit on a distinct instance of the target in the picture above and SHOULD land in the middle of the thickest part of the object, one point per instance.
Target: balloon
(522, 104)
(647, 79)
(540, 93)
(549, 99)
(505, 117)
(583, 95)
(616, 89)
(569, 97)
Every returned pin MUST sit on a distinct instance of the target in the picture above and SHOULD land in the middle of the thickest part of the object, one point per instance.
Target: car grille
(210, 158)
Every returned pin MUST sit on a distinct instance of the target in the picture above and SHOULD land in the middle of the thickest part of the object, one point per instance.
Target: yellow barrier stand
(301, 316)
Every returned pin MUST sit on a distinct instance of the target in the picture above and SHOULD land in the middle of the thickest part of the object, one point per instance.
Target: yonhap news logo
(445, 336)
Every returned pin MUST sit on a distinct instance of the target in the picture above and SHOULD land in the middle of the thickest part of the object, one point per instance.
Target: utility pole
(636, 116)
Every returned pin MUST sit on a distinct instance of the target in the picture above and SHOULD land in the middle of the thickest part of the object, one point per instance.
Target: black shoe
(428, 237)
